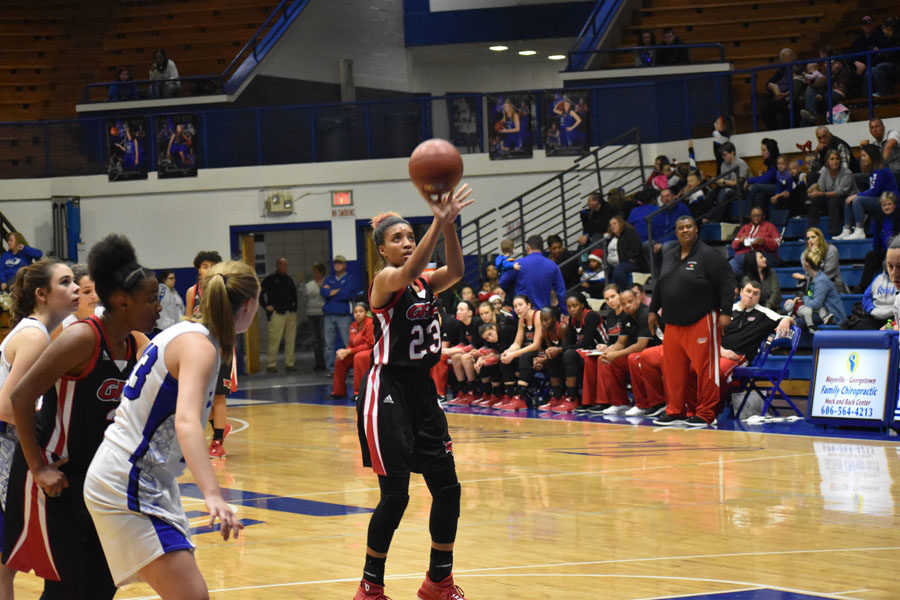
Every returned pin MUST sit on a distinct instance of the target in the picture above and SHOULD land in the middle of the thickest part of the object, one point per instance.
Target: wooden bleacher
(50, 50)
(752, 33)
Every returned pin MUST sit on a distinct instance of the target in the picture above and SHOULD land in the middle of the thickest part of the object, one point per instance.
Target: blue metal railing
(598, 22)
(575, 54)
(231, 77)
(381, 129)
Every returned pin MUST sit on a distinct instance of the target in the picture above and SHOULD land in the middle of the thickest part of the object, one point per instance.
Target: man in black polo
(695, 292)
(279, 297)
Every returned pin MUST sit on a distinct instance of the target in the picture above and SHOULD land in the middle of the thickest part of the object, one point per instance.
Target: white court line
(244, 425)
(850, 591)
(744, 584)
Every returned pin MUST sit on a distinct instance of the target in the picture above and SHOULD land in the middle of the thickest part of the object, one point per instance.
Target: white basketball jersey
(98, 311)
(5, 367)
(144, 426)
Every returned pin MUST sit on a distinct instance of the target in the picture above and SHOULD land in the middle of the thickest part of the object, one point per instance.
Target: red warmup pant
(645, 369)
(691, 355)
(611, 381)
(726, 368)
(589, 381)
(360, 363)
(439, 375)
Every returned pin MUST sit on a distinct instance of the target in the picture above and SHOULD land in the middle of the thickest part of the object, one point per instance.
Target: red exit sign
(342, 198)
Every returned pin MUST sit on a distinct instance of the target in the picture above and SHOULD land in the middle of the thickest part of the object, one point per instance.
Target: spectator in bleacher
(868, 201)
(871, 38)
(887, 72)
(816, 84)
(756, 268)
(877, 304)
(763, 185)
(776, 108)
(536, 276)
(757, 235)
(164, 69)
(124, 88)
(726, 190)
(694, 197)
(646, 57)
(677, 54)
(558, 254)
(662, 176)
(822, 303)
(662, 226)
(169, 299)
(827, 142)
(594, 219)
(593, 277)
(782, 198)
(888, 142)
(834, 183)
(19, 255)
(723, 129)
(885, 225)
(825, 254)
(624, 254)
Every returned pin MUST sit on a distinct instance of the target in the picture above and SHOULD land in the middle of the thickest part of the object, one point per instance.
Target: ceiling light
(499, 48)
(527, 52)
(557, 57)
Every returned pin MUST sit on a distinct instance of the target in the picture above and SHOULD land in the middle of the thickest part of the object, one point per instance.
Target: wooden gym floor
(558, 508)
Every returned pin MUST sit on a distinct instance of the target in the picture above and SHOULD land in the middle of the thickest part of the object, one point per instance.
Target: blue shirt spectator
(822, 293)
(535, 276)
(880, 181)
(19, 255)
(338, 289)
(124, 88)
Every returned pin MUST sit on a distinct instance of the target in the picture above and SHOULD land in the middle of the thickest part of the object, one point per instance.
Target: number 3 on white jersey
(417, 347)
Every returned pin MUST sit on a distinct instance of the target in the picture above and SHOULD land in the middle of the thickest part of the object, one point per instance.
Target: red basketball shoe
(513, 404)
(370, 591)
(566, 406)
(549, 405)
(445, 590)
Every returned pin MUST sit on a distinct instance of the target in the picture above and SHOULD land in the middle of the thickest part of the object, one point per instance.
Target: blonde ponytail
(225, 288)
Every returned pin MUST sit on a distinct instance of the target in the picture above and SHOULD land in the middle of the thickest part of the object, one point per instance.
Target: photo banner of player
(176, 146)
(566, 125)
(510, 133)
(463, 113)
(127, 149)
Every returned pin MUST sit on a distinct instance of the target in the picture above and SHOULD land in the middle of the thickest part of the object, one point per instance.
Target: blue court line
(759, 594)
(217, 526)
(297, 506)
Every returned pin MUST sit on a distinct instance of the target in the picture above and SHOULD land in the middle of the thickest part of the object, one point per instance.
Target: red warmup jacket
(362, 338)
(765, 230)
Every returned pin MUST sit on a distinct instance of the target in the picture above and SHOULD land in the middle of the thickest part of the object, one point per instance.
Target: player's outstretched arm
(447, 275)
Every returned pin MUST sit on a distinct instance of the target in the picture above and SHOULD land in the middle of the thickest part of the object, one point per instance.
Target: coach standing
(696, 294)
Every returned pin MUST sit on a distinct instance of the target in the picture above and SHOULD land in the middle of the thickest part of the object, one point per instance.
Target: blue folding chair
(763, 369)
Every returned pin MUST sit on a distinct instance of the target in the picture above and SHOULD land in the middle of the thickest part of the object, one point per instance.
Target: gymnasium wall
(169, 220)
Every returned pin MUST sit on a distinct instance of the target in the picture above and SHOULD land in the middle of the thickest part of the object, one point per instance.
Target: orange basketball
(435, 166)
(499, 126)
(114, 131)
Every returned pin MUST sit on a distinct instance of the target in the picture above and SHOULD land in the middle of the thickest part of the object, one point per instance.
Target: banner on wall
(126, 144)
(510, 132)
(463, 115)
(176, 145)
(566, 126)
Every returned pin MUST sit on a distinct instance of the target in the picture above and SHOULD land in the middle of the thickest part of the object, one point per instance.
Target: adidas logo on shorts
(387, 400)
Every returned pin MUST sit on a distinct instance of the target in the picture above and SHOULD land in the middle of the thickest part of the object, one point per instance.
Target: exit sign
(341, 198)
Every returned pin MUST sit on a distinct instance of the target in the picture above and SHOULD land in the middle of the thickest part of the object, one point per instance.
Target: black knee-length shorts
(401, 426)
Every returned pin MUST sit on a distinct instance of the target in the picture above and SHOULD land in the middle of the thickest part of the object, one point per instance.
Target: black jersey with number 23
(408, 330)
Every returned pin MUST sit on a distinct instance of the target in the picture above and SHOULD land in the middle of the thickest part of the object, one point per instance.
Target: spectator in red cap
(593, 277)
